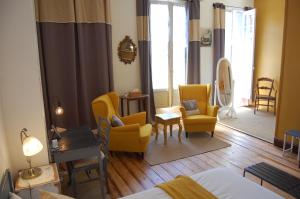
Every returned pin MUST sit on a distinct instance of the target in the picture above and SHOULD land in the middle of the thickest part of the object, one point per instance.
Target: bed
(222, 182)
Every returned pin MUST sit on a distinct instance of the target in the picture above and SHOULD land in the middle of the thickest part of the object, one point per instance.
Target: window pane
(179, 46)
(159, 15)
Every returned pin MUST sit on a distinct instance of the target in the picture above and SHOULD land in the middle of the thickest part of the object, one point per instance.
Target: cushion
(14, 196)
(115, 121)
(193, 112)
(190, 105)
(49, 195)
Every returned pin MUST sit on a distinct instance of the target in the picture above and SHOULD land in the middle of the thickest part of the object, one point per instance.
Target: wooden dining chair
(87, 165)
(265, 92)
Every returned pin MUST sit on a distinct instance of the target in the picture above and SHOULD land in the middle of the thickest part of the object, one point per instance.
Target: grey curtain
(75, 56)
(193, 67)
(144, 45)
(219, 35)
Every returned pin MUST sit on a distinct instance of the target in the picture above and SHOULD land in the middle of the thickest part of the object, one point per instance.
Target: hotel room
(149, 99)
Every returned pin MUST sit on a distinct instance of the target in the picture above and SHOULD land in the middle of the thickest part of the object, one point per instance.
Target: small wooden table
(47, 181)
(142, 99)
(168, 119)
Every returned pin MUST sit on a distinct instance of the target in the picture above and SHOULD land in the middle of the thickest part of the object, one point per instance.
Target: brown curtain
(75, 57)
(219, 35)
(193, 68)
(144, 44)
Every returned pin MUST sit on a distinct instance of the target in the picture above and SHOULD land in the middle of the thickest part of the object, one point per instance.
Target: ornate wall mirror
(127, 50)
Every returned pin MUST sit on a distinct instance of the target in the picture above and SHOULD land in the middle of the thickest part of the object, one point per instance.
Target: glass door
(169, 46)
(239, 49)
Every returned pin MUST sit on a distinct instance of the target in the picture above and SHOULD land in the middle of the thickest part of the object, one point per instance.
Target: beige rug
(260, 125)
(197, 143)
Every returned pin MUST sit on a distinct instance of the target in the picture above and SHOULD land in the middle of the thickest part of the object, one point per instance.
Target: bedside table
(48, 181)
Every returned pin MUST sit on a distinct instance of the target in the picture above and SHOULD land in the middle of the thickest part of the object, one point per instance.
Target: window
(239, 50)
(168, 25)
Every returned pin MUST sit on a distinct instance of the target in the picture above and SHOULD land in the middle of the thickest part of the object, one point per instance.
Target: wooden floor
(128, 174)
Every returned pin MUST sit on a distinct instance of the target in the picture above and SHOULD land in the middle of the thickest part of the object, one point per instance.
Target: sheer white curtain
(239, 49)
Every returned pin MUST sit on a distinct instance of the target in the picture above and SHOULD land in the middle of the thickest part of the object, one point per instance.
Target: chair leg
(254, 106)
(268, 106)
(212, 134)
(275, 107)
(73, 182)
(186, 134)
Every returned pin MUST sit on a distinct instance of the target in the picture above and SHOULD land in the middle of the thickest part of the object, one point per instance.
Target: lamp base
(31, 173)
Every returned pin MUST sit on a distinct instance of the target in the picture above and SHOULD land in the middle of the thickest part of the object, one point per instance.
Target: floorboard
(128, 174)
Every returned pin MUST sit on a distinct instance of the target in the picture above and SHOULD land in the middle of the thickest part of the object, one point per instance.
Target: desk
(77, 144)
(142, 100)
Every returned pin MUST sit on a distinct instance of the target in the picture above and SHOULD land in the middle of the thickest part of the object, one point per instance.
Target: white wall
(20, 84)
(206, 21)
(127, 77)
(123, 16)
(4, 156)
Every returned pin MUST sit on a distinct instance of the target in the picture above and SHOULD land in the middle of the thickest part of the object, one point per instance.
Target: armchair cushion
(115, 121)
(190, 105)
(137, 118)
(200, 119)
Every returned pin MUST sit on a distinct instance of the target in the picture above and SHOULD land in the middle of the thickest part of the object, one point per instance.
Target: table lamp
(31, 147)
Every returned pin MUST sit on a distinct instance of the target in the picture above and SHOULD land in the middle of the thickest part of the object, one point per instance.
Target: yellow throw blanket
(185, 187)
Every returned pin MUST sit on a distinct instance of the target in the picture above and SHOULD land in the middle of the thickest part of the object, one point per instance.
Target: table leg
(128, 107)
(156, 130)
(139, 104)
(179, 132)
(165, 134)
(171, 127)
(101, 175)
(122, 107)
(261, 182)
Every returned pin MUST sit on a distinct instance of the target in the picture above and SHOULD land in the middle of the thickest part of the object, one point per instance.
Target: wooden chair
(265, 91)
(87, 165)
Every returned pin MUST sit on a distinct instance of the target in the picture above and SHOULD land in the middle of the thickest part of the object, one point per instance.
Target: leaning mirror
(224, 87)
(127, 50)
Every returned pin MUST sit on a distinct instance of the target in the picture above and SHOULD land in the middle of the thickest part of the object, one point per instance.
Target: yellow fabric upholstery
(185, 187)
(134, 136)
(207, 118)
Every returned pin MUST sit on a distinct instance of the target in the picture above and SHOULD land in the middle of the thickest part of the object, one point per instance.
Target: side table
(48, 181)
(142, 100)
(168, 119)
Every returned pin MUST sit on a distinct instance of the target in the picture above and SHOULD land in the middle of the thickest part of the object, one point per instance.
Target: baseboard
(279, 143)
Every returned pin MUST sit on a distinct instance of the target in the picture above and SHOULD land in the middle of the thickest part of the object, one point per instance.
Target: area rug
(197, 143)
(260, 125)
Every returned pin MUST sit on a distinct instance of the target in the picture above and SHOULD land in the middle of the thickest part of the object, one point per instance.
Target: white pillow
(13, 196)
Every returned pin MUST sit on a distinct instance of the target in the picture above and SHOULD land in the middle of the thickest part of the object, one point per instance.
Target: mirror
(224, 87)
(224, 82)
(127, 50)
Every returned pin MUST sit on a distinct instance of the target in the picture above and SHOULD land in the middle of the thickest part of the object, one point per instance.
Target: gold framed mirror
(127, 50)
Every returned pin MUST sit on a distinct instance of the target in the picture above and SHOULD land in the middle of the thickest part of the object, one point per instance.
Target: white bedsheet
(222, 182)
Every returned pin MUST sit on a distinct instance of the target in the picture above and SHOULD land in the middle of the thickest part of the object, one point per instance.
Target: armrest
(126, 128)
(137, 118)
(183, 111)
(212, 110)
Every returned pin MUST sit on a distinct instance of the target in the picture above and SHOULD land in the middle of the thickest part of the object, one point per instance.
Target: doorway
(168, 26)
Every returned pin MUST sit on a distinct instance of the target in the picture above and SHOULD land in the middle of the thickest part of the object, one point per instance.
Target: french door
(239, 49)
(168, 25)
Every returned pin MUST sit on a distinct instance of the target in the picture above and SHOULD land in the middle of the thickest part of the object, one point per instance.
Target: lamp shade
(31, 146)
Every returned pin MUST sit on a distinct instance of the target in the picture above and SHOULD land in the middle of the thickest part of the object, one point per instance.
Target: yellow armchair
(134, 136)
(206, 120)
